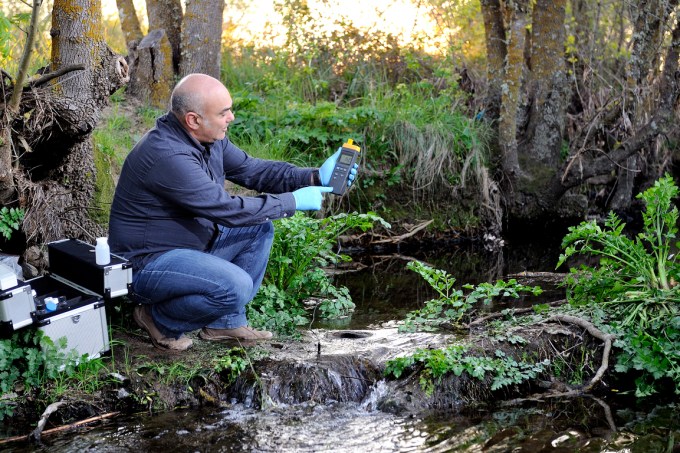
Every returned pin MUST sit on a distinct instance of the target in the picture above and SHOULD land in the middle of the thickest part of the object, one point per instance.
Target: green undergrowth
(633, 290)
(452, 310)
(501, 369)
(43, 371)
(296, 288)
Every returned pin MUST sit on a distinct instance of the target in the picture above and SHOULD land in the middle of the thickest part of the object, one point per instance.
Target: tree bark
(129, 22)
(511, 89)
(151, 67)
(56, 178)
(548, 86)
(202, 37)
(167, 15)
(496, 52)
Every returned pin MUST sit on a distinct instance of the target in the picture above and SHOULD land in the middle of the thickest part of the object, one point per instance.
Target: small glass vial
(102, 251)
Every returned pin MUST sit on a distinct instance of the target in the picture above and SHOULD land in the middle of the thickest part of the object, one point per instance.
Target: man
(198, 253)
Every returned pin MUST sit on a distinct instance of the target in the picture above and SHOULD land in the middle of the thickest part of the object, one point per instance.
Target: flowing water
(385, 291)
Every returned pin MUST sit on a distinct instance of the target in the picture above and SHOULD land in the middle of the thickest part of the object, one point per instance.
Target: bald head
(192, 93)
(202, 104)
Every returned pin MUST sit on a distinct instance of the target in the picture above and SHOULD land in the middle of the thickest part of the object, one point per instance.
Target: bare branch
(53, 75)
(13, 106)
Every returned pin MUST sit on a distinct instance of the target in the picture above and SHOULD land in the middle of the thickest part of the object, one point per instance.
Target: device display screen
(345, 159)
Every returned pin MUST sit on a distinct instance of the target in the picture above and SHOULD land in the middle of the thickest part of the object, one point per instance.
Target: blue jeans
(189, 289)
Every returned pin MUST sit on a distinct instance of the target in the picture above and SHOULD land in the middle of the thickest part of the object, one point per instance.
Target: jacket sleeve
(192, 192)
(263, 175)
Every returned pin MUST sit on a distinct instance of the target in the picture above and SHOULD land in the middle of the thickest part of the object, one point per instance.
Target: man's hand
(326, 170)
(310, 198)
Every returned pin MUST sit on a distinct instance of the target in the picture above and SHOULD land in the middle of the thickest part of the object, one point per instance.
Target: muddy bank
(323, 367)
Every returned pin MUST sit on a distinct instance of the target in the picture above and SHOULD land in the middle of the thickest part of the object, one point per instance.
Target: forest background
(483, 116)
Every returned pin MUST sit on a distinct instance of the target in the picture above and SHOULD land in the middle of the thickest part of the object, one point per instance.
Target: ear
(192, 120)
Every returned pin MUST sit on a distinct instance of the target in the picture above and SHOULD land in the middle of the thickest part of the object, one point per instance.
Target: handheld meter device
(349, 154)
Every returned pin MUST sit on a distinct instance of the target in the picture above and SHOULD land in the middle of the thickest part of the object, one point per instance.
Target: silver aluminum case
(117, 279)
(74, 260)
(16, 306)
(85, 329)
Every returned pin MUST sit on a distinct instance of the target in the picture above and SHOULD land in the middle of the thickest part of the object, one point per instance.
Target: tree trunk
(167, 15)
(512, 89)
(151, 68)
(129, 22)
(547, 89)
(57, 178)
(201, 37)
(614, 133)
(496, 52)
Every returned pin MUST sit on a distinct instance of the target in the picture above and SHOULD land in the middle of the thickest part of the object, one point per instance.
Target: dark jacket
(171, 192)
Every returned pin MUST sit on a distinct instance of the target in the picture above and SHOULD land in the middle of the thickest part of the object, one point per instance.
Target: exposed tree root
(52, 408)
(397, 239)
(595, 332)
(515, 311)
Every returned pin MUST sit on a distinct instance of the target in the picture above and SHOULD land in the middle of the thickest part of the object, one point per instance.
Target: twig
(404, 236)
(61, 428)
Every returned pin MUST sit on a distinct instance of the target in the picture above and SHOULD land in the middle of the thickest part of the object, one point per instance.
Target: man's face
(215, 119)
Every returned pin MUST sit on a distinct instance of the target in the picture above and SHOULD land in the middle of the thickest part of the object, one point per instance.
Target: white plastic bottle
(102, 251)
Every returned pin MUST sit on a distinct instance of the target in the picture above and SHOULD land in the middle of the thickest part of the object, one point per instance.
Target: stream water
(385, 291)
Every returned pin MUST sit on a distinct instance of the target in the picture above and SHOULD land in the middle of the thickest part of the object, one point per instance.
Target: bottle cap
(51, 303)
(350, 144)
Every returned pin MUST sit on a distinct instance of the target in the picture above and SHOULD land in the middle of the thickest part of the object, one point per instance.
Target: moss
(104, 186)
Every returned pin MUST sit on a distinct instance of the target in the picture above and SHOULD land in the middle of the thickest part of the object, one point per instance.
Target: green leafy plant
(636, 278)
(453, 305)
(303, 246)
(231, 364)
(635, 284)
(10, 219)
(31, 359)
(457, 359)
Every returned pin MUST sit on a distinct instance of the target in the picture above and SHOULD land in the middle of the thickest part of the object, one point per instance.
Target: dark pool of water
(383, 289)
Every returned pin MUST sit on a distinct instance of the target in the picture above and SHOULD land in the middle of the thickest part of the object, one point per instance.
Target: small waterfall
(329, 379)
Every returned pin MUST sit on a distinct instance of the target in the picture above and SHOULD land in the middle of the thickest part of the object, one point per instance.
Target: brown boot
(142, 316)
(243, 333)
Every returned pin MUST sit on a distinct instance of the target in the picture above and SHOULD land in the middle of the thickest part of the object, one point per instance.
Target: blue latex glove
(326, 170)
(352, 174)
(310, 198)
